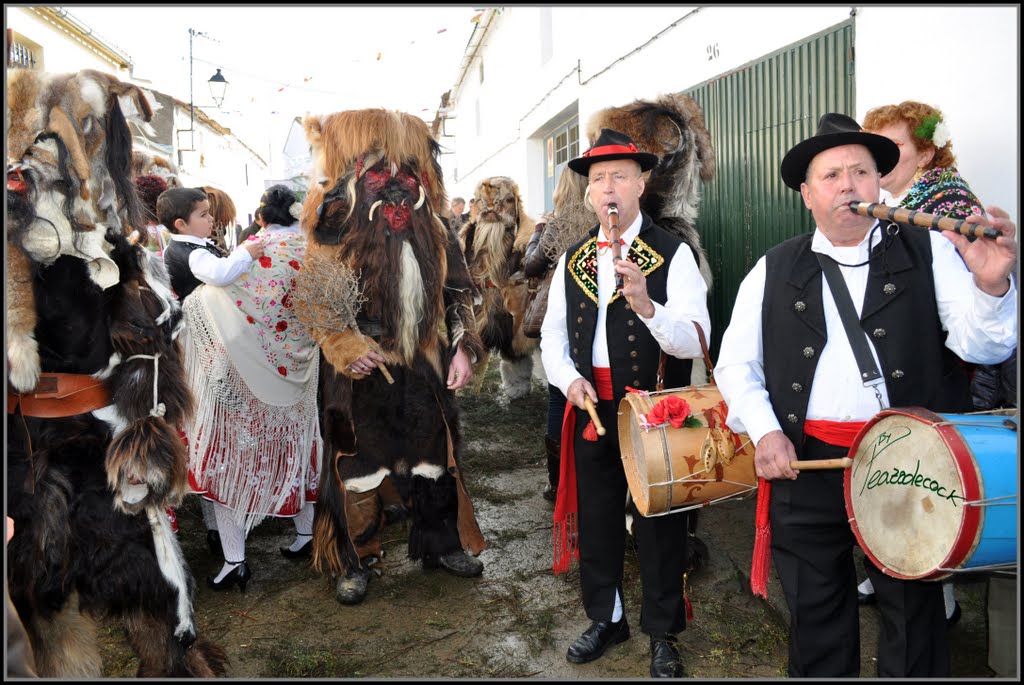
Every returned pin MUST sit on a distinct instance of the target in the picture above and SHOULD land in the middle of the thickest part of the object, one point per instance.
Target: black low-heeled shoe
(302, 552)
(239, 575)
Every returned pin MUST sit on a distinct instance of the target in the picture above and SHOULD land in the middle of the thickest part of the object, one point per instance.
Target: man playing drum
(596, 341)
(792, 381)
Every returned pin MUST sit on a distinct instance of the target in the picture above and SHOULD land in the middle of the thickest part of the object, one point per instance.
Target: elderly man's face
(835, 178)
(620, 182)
(458, 206)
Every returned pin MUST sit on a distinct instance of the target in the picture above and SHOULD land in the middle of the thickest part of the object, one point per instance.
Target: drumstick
(387, 374)
(593, 415)
(842, 463)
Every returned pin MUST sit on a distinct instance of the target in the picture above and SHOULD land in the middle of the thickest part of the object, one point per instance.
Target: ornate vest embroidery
(583, 264)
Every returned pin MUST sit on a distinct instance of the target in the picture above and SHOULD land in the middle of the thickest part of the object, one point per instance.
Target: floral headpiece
(933, 128)
(295, 210)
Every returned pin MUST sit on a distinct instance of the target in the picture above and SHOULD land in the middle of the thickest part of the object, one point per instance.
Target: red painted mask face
(396, 196)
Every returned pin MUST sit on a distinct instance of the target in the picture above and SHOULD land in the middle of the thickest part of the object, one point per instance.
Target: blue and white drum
(931, 494)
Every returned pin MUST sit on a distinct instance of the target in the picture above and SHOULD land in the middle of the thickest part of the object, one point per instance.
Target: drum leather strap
(663, 358)
(869, 373)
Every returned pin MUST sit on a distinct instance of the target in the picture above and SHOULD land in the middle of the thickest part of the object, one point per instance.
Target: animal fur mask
(377, 198)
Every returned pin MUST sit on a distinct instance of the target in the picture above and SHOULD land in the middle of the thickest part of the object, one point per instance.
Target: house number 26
(712, 51)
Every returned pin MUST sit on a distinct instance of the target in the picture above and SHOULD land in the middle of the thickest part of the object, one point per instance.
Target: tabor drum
(671, 469)
(930, 494)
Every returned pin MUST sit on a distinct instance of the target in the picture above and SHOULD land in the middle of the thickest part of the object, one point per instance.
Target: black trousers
(661, 541)
(812, 549)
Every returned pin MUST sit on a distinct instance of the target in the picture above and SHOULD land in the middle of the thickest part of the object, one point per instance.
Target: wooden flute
(912, 218)
(613, 236)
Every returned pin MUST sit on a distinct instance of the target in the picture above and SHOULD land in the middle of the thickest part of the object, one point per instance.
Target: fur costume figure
(373, 217)
(672, 127)
(494, 243)
(145, 163)
(93, 457)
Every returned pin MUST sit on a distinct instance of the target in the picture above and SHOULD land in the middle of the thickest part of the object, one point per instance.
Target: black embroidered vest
(632, 350)
(176, 256)
(899, 314)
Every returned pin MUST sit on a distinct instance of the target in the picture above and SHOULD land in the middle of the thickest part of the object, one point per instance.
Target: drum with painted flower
(678, 453)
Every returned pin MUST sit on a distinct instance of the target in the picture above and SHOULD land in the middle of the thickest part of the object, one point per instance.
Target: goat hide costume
(672, 127)
(93, 457)
(145, 163)
(494, 243)
(375, 213)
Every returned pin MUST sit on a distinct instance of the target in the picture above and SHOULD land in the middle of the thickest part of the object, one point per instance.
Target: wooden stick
(387, 374)
(841, 463)
(593, 415)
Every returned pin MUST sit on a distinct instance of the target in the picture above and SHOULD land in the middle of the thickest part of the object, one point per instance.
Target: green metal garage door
(755, 114)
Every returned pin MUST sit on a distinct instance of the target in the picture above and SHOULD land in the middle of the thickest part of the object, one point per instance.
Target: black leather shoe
(239, 575)
(665, 658)
(954, 618)
(458, 563)
(301, 553)
(213, 542)
(550, 493)
(865, 598)
(596, 639)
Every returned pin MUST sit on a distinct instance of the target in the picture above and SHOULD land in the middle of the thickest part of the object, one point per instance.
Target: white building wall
(62, 53)
(968, 68)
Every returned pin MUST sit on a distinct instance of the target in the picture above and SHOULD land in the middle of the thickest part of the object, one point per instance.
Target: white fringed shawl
(254, 441)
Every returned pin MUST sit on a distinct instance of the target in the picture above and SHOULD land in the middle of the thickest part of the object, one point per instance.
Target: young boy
(191, 257)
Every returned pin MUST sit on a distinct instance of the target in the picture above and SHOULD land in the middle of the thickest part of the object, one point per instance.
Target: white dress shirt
(982, 329)
(208, 267)
(671, 324)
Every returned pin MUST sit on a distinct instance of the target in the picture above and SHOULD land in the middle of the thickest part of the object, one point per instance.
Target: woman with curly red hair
(926, 178)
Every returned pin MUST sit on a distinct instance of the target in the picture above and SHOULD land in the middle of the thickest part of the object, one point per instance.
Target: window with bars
(22, 53)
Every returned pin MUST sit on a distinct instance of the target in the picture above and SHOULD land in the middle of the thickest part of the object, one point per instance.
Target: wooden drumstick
(593, 415)
(387, 374)
(841, 463)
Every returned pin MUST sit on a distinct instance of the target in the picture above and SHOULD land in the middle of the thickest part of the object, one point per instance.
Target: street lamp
(218, 87)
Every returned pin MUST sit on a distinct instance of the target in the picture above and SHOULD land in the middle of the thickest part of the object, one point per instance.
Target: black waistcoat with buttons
(632, 351)
(176, 256)
(899, 315)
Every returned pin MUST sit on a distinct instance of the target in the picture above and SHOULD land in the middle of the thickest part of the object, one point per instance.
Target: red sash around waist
(839, 433)
(603, 383)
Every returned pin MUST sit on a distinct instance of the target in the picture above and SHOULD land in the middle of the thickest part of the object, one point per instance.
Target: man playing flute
(596, 341)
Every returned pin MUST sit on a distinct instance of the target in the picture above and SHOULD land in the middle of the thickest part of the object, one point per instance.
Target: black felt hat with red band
(611, 145)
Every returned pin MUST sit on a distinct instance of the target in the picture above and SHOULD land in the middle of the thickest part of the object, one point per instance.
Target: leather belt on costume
(58, 395)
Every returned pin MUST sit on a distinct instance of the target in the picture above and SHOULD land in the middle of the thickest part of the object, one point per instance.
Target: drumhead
(906, 493)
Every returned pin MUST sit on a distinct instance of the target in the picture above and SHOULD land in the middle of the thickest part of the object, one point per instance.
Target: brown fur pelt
(373, 210)
(672, 127)
(222, 211)
(570, 219)
(88, 493)
(494, 244)
(145, 163)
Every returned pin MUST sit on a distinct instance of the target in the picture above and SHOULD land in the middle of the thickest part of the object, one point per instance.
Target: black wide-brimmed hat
(611, 145)
(835, 130)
